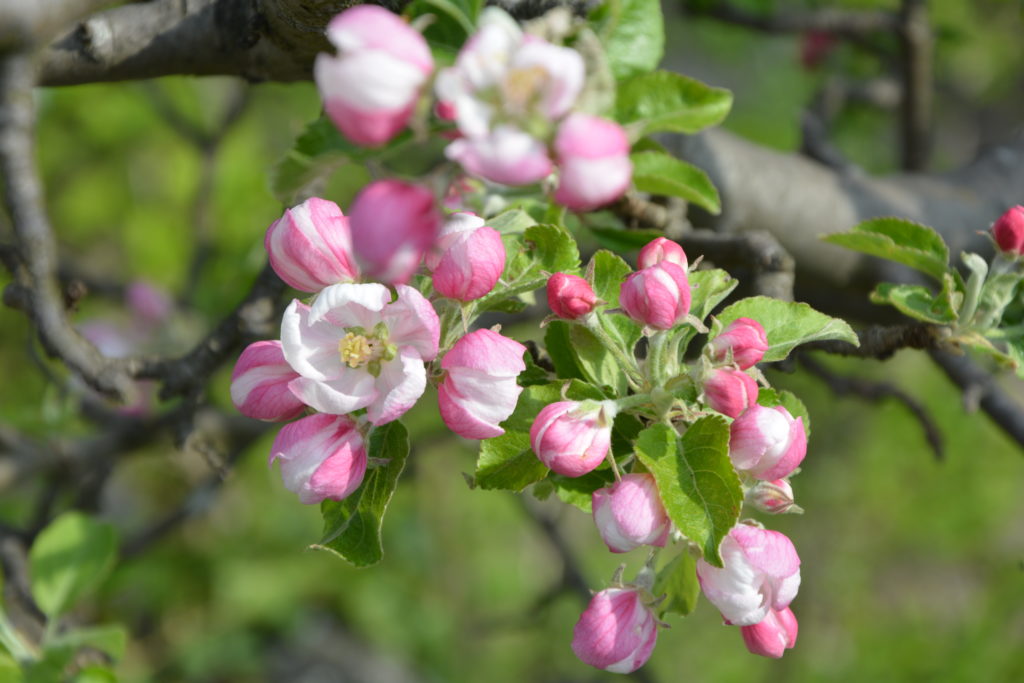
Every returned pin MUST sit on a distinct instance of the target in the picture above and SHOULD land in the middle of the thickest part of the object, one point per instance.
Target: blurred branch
(980, 388)
(876, 392)
(882, 341)
(916, 44)
(837, 21)
(25, 23)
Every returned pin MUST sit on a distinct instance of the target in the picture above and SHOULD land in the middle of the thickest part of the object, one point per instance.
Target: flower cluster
(358, 352)
(512, 96)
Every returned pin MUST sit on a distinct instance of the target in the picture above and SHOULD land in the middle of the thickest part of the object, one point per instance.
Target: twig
(876, 392)
(847, 23)
(915, 116)
(882, 341)
(756, 257)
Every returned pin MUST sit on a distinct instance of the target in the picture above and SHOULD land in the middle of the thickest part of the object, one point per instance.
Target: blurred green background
(913, 569)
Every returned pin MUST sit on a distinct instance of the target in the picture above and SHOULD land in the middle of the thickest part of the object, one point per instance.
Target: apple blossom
(371, 87)
(629, 514)
(393, 225)
(310, 246)
(774, 497)
(773, 635)
(1008, 231)
(355, 348)
(658, 296)
(259, 383)
(662, 249)
(730, 391)
(479, 390)
(322, 456)
(467, 259)
(761, 573)
(572, 437)
(744, 341)
(616, 632)
(593, 158)
(506, 155)
(767, 442)
(570, 296)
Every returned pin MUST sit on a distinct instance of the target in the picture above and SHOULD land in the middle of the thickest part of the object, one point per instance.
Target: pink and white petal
(338, 476)
(412, 321)
(350, 305)
(355, 389)
(368, 80)
(489, 351)
(461, 421)
(400, 384)
(488, 399)
(310, 349)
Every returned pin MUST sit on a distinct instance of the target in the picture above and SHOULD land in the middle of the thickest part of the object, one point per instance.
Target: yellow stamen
(355, 350)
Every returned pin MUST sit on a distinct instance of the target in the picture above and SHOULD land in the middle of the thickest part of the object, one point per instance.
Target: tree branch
(916, 105)
(980, 388)
(848, 23)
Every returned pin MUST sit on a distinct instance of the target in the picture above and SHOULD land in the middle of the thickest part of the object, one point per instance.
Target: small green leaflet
(896, 239)
(69, 558)
(665, 101)
(914, 301)
(319, 150)
(788, 324)
(677, 581)
(696, 480)
(632, 32)
(352, 527)
(659, 173)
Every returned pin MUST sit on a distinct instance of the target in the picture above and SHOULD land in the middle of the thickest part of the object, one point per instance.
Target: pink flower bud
(1008, 231)
(322, 456)
(479, 390)
(593, 157)
(730, 392)
(774, 497)
(505, 155)
(744, 339)
(310, 246)
(773, 635)
(662, 249)
(658, 296)
(572, 438)
(259, 383)
(467, 259)
(616, 632)
(148, 302)
(371, 87)
(629, 514)
(393, 225)
(761, 572)
(570, 296)
(767, 442)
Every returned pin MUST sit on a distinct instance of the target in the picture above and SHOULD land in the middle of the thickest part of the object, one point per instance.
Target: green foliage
(914, 301)
(663, 174)
(70, 558)
(664, 101)
(708, 288)
(538, 251)
(696, 480)
(677, 581)
(318, 151)
(633, 34)
(352, 527)
(896, 239)
(109, 639)
(788, 324)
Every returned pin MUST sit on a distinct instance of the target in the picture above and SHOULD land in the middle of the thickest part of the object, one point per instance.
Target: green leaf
(708, 288)
(559, 346)
(677, 581)
(663, 174)
(696, 480)
(633, 34)
(319, 150)
(10, 672)
(511, 222)
(540, 249)
(597, 362)
(609, 273)
(914, 301)
(352, 527)
(96, 674)
(109, 638)
(577, 491)
(623, 239)
(788, 324)
(70, 558)
(553, 248)
(665, 101)
(507, 461)
(896, 239)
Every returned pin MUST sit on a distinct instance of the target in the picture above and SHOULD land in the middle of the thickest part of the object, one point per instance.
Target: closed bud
(658, 296)
(629, 514)
(310, 246)
(570, 296)
(768, 443)
(322, 457)
(505, 155)
(773, 635)
(662, 249)
(744, 341)
(259, 384)
(393, 225)
(479, 390)
(616, 632)
(774, 497)
(593, 160)
(467, 259)
(1008, 231)
(572, 437)
(371, 87)
(730, 392)
(760, 572)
